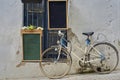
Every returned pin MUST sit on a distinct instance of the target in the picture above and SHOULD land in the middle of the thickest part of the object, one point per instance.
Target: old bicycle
(56, 61)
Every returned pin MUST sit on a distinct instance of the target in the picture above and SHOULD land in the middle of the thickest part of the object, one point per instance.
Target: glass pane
(33, 14)
(57, 14)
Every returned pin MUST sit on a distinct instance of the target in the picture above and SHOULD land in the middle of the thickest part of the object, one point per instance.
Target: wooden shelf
(34, 31)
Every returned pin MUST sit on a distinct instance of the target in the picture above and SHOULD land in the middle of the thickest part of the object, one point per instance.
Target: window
(49, 14)
(57, 14)
(33, 14)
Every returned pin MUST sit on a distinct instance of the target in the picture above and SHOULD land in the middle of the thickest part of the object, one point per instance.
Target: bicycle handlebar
(60, 33)
(62, 41)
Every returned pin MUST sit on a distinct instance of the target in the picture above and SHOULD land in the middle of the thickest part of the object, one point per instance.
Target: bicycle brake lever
(60, 33)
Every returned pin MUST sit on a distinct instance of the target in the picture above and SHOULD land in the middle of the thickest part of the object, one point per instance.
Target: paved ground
(115, 75)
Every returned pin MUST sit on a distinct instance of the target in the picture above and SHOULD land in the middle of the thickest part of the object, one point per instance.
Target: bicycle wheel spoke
(54, 65)
(95, 54)
(108, 56)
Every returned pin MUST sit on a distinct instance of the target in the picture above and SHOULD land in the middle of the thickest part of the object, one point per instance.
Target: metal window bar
(52, 40)
(53, 37)
(34, 14)
(43, 2)
(27, 14)
(37, 16)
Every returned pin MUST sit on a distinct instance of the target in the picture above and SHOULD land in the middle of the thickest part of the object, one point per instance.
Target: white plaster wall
(100, 16)
(95, 15)
(10, 42)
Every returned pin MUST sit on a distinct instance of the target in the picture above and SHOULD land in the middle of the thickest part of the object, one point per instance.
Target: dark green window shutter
(31, 46)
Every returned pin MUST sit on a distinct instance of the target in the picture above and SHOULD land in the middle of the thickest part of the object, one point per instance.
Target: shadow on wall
(72, 36)
(74, 40)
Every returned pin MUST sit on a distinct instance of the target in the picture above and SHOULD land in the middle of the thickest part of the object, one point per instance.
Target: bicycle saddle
(88, 33)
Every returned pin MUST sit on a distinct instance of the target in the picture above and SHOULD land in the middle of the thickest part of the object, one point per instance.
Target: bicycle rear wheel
(103, 57)
(53, 68)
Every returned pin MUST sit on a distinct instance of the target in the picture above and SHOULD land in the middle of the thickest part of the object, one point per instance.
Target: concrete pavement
(115, 75)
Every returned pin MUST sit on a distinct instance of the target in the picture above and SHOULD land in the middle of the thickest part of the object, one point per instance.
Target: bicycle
(57, 61)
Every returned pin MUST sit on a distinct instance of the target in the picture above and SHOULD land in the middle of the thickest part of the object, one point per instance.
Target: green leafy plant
(31, 27)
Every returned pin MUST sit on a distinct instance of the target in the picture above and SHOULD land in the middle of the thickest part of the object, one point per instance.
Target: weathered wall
(10, 48)
(100, 16)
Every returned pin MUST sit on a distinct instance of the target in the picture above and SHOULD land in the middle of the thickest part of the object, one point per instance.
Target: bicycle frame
(85, 51)
(95, 56)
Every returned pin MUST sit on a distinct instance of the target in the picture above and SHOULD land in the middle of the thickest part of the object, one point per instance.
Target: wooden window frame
(31, 1)
(66, 16)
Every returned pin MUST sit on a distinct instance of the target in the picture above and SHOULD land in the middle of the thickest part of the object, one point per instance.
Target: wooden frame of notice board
(57, 14)
(31, 45)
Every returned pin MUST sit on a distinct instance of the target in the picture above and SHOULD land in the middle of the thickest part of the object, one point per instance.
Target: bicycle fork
(59, 52)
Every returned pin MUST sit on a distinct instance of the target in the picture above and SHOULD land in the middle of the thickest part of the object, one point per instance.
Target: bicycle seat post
(88, 40)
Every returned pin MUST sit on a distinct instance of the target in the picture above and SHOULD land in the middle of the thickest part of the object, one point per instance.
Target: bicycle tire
(106, 64)
(55, 69)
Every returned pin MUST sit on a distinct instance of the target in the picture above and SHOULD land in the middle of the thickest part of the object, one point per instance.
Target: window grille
(33, 14)
(53, 37)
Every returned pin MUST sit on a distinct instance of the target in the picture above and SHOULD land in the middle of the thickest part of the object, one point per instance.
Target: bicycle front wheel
(54, 67)
(103, 57)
